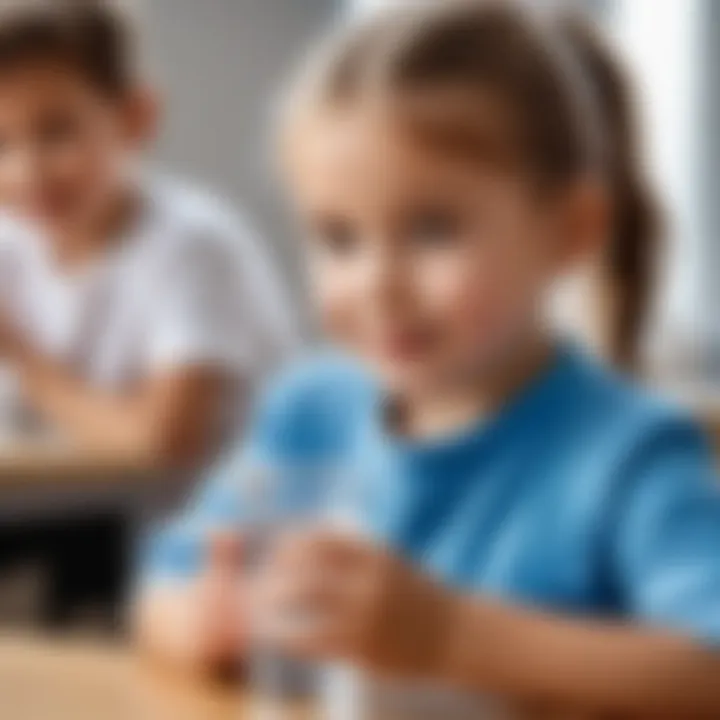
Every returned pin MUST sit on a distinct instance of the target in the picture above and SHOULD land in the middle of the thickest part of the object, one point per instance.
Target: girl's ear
(142, 116)
(584, 302)
(586, 218)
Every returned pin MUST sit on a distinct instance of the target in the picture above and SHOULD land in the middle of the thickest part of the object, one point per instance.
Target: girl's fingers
(301, 614)
(324, 639)
(313, 551)
(311, 596)
(224, 551)
(312, 625)
(222, 604)
(313, 578)
(280, 592)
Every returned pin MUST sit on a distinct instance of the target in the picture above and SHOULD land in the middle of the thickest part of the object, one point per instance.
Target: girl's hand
(200, 626)
(220, 613)
(329, 596)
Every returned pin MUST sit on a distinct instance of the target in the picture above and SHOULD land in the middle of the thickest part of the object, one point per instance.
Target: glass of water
(277, 498)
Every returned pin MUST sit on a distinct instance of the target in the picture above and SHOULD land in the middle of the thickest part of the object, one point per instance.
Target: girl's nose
(387, 279)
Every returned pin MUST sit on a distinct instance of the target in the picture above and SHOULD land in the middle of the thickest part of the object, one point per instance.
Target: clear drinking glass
(279, 497)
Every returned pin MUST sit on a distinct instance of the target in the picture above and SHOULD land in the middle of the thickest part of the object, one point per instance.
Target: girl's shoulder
(315, 405)
(630, 419)
(319, 384)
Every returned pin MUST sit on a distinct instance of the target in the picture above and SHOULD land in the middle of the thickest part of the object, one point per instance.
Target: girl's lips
(405, 346)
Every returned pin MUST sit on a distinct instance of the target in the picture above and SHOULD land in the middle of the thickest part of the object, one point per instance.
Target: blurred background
(215, 131)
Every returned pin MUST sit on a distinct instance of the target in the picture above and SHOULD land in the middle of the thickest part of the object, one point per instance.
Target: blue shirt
(584, 495)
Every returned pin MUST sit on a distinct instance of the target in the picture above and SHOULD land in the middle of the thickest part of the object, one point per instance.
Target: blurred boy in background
(138, 314)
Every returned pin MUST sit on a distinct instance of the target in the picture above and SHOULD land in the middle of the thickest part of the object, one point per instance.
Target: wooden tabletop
(42, 679)
(44, 460)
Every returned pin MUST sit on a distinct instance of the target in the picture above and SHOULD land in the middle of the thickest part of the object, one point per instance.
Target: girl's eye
(433, 228)
(337, 237)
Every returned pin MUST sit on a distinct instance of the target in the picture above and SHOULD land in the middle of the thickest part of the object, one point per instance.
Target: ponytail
(628, 269)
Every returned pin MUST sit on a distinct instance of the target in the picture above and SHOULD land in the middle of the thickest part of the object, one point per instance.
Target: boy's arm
(584, 665)
(195, 342)
(168, 420)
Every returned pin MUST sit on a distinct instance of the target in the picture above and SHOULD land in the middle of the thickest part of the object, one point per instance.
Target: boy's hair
(496, 80)
(94, 37)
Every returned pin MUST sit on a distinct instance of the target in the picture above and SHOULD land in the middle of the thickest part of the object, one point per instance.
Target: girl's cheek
(340, 327)
(336, 303)
(460, 294)
(479, 305)
(480, 319)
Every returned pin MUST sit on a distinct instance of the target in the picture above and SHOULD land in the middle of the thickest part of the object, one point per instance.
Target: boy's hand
(328, 596)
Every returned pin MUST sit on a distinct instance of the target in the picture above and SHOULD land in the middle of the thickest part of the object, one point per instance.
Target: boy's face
(425, 265)
(64, 146)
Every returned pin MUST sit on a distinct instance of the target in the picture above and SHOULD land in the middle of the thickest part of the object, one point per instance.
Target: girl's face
(426, 266)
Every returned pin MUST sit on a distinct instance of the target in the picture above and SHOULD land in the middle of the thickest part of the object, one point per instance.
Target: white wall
(219, 63)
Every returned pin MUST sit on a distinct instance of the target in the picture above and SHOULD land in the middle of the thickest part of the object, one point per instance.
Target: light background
(219, 64)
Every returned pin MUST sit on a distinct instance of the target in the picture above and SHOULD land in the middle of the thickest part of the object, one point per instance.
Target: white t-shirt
(188, 285)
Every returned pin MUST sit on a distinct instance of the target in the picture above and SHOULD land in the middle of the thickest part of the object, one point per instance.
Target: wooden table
(42, 477)
(44, 461)
(71, 680)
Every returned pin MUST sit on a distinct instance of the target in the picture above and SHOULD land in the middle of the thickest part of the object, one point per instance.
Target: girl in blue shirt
(537, 528)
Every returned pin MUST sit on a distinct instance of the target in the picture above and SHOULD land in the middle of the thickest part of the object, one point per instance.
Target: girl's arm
(371, 608)
(580, 664)
(187, 605)
(197, 623)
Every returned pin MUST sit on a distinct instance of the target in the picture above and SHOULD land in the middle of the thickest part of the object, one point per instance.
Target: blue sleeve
(297, 424)
(174, 550)
(667, 545)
